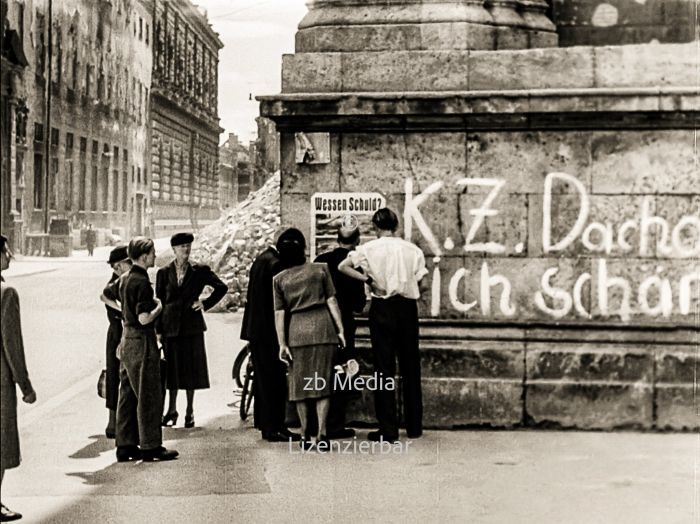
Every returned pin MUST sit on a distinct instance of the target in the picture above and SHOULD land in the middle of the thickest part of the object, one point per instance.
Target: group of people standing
(299, 320)
(312, 308)
(142, 320)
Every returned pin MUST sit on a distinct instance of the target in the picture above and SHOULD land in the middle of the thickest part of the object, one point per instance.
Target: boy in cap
(13, 373)
(140, 397)
(121, 263)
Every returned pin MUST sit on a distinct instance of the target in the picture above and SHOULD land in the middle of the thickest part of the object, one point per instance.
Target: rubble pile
(230, 244)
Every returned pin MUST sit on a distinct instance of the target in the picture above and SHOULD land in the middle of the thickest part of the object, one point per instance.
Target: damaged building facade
(184, 118)
(543, 156)
(77, 117)
(97, 126)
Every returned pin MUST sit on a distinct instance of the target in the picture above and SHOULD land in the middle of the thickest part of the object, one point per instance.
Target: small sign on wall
(312, 148)
(329, 210)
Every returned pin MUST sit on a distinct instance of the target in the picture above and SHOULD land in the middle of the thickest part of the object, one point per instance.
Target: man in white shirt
(392, 267)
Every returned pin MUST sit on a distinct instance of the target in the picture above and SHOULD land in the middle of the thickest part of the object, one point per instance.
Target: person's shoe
(128, 453)
(159, 454)
(275, 436)
(377, 436)
(170, 419)
(414, 434)
(341, 433)
(289, 435)
(7, 515)
(189, 420)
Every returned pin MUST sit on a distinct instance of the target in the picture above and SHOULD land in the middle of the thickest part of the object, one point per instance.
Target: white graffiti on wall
(655, 238)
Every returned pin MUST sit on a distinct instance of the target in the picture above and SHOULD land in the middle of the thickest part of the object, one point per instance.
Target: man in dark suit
(350, 294)
(181, 325)
(270, 385)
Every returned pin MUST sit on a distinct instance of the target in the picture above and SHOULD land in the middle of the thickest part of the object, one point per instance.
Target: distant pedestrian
(121, 264)
(350, 294)
(13, 373)
(270, 384)
(90, 239)
(392, 267)
(309, 327)
(140, 398)
(181, 325)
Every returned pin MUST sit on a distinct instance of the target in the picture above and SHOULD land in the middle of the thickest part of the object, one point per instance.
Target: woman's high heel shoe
(189, 420)
(170, 417)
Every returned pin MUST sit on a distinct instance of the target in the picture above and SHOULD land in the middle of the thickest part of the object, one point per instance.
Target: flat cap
(179, 239)
(3, 241)
(118, 254)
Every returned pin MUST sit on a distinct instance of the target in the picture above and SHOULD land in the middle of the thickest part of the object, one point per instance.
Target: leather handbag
(102, 384)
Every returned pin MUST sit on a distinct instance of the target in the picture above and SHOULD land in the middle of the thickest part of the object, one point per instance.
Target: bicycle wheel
(246, 396)
(240, 365)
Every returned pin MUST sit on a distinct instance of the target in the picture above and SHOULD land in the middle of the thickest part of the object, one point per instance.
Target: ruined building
(89, 64)
(543, 155)
(184, 118)
(109, 117)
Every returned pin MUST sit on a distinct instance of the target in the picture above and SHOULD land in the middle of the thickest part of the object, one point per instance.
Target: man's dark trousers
(139, 409)
(340, 399)
(269, 387)
(393, 325)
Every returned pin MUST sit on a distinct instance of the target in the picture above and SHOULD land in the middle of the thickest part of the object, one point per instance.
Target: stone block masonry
(553, 190)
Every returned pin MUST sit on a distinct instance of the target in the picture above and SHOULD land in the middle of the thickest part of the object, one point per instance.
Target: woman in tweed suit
(306, 319)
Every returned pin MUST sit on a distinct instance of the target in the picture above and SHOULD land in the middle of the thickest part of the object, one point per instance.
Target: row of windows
(84, 183)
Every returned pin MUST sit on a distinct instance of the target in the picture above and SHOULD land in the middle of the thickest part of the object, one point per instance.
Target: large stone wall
(555, 192)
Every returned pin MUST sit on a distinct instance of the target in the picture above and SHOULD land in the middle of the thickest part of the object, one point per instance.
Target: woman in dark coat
(120, 262)
(306, 319)
(181, 325)
(13, 373)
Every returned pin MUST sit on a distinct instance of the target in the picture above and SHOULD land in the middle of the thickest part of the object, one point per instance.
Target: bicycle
(242, 373)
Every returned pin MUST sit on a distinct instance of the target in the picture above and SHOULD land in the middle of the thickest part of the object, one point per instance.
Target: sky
(255, 35)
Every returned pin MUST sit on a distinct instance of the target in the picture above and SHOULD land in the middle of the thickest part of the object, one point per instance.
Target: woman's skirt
(311, 372)
(187, 362)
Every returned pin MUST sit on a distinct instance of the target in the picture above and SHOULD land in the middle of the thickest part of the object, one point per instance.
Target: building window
(38, 180)
(53, 176)
(115, 179)
(20, 21)
(125, 185)
(146, 34)
(82, 188)
(54, 137)
(95, 176)
(105, 177)
(83, 144)
(38, 132)
(70, 175)
(69, 144)
(140, 28)
(93, 188)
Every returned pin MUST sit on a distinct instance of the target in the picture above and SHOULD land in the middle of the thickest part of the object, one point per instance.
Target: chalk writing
(559, 294)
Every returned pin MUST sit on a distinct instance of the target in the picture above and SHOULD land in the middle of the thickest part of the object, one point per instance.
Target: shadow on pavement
(211, 462)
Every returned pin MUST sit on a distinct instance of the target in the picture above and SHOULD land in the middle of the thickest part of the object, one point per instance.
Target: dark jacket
(178, 317)
(259, 315)
(349, 292)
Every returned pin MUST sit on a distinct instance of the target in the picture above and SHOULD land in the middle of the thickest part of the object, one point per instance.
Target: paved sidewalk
(227, 474)
(23, 265)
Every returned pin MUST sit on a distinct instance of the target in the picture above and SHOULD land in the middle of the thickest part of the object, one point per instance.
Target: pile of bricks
(230, 244)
